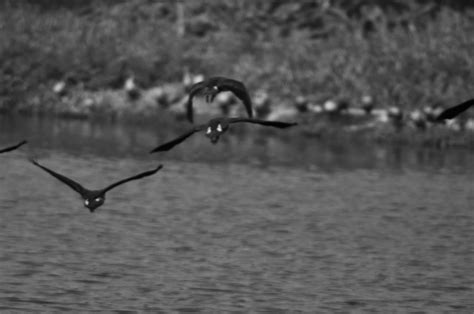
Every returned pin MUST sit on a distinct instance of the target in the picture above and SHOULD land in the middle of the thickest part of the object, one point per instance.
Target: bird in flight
(93, 198)
(454, 111)
(213, 86)
(216, 127)
(10, 148)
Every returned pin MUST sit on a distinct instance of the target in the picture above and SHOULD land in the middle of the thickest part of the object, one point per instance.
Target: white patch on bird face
(208, 130)
(215, 87)
(97, 199)
(86, 202)
(219, 128)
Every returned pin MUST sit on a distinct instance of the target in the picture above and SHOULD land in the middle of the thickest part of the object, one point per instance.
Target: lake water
(263, 222)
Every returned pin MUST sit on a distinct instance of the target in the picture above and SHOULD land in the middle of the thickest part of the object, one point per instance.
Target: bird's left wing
(135, 177)
(275, 124)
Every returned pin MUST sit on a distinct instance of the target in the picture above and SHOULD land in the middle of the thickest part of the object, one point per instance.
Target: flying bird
(213, 86)
(93, 198)
(216, 127)
(454, 111)
(10, 148)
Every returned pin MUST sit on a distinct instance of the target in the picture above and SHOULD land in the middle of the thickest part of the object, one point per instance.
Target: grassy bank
(399, 57)
(428, 60)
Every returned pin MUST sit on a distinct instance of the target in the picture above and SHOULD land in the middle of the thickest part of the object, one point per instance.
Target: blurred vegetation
(403, 52)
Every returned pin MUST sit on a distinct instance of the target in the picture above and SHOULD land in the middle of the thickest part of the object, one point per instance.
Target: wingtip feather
(157, 149)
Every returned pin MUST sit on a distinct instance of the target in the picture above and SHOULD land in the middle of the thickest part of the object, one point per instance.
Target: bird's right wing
(275, 124)
(71, 183)
(195, 89)
(169, 145)
(454, 111)
(10, 148)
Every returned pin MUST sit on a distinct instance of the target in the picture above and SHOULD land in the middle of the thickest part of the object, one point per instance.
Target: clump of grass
(398, 65)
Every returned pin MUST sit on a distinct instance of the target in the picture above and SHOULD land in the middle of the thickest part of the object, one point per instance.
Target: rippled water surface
(269, 222)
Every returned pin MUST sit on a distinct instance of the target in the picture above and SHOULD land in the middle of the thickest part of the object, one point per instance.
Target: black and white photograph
(236, 156)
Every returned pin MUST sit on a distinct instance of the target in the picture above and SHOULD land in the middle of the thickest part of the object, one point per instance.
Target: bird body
(93, 198)
(214, 128)
(213, 86)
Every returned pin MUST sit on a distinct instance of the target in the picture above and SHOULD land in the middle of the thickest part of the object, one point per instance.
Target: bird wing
(135, 177)
(10, 148)
(239, 90)
(195, 89)
(169, 145)
(275, 124)
(71, 183)
(454, 111)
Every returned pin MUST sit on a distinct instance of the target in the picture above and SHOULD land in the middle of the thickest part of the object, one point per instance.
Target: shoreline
(115, 108)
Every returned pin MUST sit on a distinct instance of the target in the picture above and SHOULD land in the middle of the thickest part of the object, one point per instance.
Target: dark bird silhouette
(93, 198)
(454, 111)
(10, 148)
(216, 127)
(213, 86)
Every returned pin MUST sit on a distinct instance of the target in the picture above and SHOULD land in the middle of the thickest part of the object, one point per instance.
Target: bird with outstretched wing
(93, 198)
(216, 127)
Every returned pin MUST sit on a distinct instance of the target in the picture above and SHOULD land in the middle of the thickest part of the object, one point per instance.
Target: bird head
(92, 203)
(215, 130)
